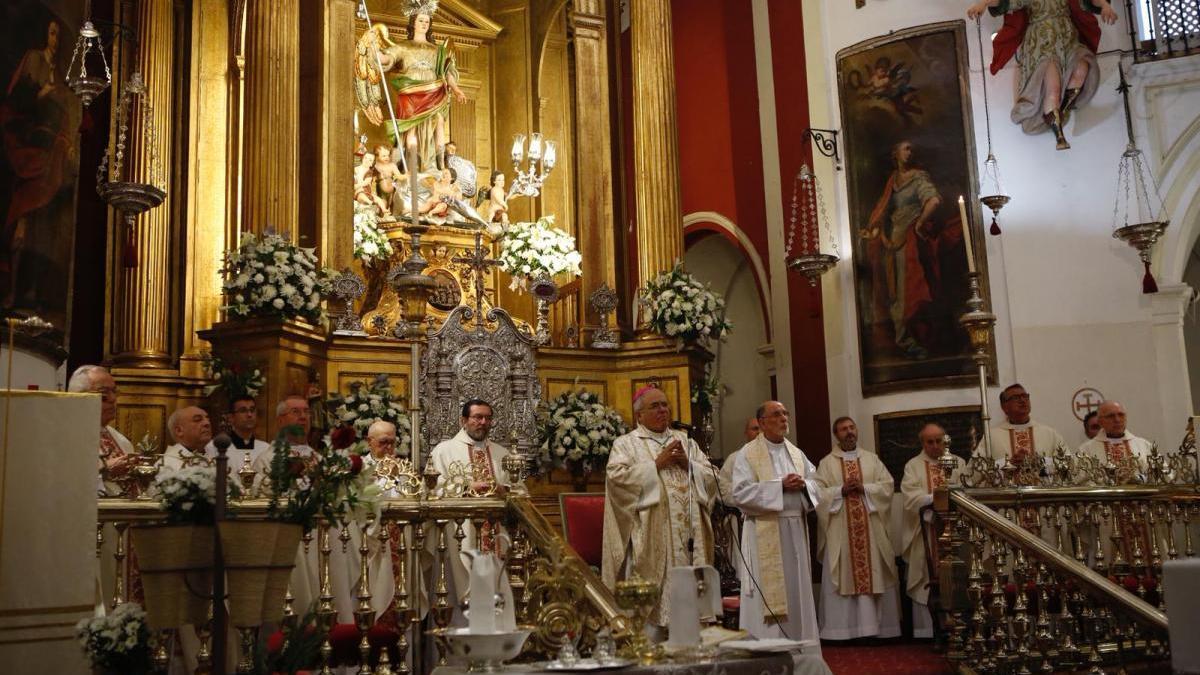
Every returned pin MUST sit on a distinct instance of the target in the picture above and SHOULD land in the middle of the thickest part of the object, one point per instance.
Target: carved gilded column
(655, 139)
(327, 120)
(271, 186)
(207, 173)
(140, 332)
(593, 164)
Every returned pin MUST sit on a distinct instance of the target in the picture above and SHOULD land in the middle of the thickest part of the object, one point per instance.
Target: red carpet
(895, 659)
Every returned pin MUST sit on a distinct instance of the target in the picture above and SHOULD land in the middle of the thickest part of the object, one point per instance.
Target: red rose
(356, 463)
(343, 437)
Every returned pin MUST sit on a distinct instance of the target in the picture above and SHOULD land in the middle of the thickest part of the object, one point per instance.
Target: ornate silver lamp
(808, 210)
(128, 196)
(1134, 186)
(991, 191)
(539, 162)
(85, 86)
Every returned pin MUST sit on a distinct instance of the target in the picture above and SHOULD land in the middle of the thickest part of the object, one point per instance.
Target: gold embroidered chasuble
(921, 476)
(650, 515)
(852, 537)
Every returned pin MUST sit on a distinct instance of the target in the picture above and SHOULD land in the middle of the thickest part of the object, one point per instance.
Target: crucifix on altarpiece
(478, 261)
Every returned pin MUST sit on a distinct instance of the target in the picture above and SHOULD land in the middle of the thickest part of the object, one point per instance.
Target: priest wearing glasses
(659, 491)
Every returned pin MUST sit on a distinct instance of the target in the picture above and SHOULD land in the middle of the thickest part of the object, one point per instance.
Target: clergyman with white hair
(115, 451)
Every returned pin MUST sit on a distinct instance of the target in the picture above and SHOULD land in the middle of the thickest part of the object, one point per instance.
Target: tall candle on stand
(966, 227)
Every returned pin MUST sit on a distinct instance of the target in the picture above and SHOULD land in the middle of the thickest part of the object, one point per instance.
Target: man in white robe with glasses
(770, 486)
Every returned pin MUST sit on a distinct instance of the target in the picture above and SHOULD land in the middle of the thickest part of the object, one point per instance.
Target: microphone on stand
(680, 426)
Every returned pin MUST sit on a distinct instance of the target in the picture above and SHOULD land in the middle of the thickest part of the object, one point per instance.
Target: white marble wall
(1067, 295)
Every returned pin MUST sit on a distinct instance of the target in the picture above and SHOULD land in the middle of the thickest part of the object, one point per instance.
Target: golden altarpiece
(258, 123)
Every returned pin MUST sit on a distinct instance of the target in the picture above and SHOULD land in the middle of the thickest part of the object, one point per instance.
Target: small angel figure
(365, 178)
(445, 186)
(390, 180)
(493, 202)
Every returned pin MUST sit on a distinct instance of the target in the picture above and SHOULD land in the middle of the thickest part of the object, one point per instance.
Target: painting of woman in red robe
(910, 154)
(38, 164)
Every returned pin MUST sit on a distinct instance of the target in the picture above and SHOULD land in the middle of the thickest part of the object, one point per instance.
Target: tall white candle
(966, 227)
(355, 122)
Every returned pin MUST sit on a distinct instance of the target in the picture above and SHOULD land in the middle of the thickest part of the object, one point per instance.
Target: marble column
(140, 331)
(655, 139)
(270, 174)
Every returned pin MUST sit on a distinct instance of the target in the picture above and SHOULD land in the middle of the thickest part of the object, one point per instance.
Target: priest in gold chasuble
(658, 493)
(771, 486)
(858, 576)
(922, 475)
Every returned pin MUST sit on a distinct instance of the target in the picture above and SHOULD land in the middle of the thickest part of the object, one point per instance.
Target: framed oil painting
(39, 158)
(896, 433)
(910, 149)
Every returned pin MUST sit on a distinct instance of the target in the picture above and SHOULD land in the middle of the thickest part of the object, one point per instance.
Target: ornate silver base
(813, 265)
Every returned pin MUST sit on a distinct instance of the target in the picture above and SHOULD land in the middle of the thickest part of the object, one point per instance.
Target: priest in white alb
(922, 475)
(858, 574)
(770, 486)
(470, 451)
(659, 490)
(1116, 446)
(1019, 436)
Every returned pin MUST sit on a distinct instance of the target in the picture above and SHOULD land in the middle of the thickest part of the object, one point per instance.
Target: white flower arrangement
(117, 642)
(367, 403)
(577, 432)
(371, 245)
(529, 250)
(189, 495)
(270, 276)
(678, 306)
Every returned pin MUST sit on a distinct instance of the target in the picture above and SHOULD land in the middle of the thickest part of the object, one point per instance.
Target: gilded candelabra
(980, 325)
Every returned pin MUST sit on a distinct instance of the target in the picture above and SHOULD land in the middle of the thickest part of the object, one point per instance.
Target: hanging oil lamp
(1135, 183)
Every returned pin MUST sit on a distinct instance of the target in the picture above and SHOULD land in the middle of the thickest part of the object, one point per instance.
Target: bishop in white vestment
(922, 475)
(658, 492)
(858, 575)
(770, 486)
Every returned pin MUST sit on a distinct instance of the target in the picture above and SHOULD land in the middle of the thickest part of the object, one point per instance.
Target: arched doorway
(744, 362)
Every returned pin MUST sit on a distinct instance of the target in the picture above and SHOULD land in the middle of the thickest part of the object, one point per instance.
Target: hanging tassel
(1148, 285)
(86, 122)
(129, 255)
(995, 228)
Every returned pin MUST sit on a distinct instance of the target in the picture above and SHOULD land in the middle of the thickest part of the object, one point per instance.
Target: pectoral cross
(479, 263)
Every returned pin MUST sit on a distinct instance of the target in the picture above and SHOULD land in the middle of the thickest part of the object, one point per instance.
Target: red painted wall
(812, 415)
(721, 166)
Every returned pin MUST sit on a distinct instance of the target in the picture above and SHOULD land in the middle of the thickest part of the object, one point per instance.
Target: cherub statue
(493, 202)
(1058, 69)
(444, 186)
(390, 181)
(421, 78)
(365, 178)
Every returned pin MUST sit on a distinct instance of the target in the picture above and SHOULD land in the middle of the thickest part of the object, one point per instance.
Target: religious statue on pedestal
(1058, 40)
(421, 77)
(493, 202)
